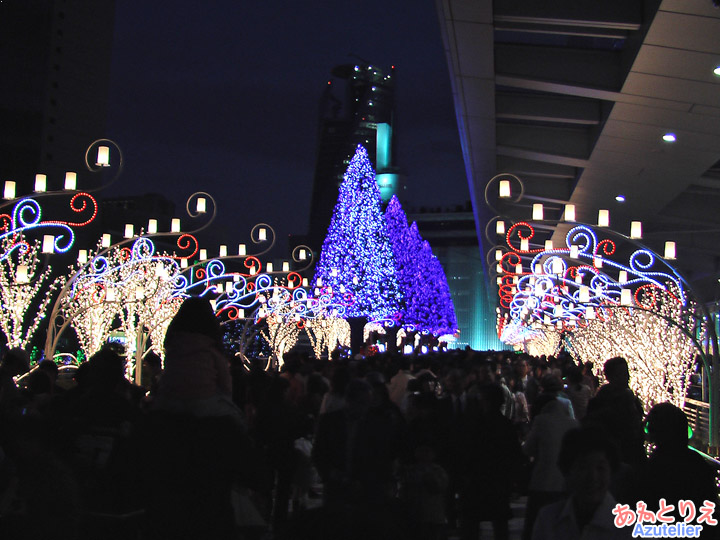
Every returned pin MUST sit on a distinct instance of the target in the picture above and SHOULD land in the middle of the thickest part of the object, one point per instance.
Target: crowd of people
(379, 446)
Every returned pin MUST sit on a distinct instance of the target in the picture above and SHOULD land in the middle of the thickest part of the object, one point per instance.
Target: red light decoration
(185, 242)
(606, 246)
(253, 265)
(6, 221)
(83, 198)
(517, 227)
(294, 280)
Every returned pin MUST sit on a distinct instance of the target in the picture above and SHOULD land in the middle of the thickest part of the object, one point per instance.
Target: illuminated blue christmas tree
(428, 304)
(356, 257)
(403, 249)
(442, 319)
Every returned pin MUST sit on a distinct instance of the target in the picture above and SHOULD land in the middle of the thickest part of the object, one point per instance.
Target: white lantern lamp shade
(269, 267)
(569, 212)
(223, 250)
(504, 189)
(103, 156)
(152, 226)
(574, 252)
(548, 245)
(70, 181)
(105, 241)
(524, 244)
(201, 206)
(636, 230)
(48, 244)
(129, 230)
(670, 251)
(262, 234)
(622, 277)
(21, 275)
(285, 266)
(584, 295)
(241, 250)
(9, 191)
(305, 282)
(626, 297)
(603, 218)
(82, 256)
(500, 227)
(537, 212)
(40, 183)
(183, 263)
(175, 225)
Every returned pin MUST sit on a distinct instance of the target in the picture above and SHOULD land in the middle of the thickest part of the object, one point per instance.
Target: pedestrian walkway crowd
(376, 446)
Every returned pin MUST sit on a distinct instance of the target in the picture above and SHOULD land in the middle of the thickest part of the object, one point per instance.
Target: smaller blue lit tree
(428, 306)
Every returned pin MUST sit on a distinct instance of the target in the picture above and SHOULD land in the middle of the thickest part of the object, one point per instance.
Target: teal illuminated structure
(357, 107)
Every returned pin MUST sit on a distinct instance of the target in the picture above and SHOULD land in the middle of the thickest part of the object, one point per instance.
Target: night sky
(223, 97)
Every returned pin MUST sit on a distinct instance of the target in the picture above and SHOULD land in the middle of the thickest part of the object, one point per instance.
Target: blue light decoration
(426, 306)
(26, 217)
(356, 257)
(557, 290)
(405, 249)
(441, 309)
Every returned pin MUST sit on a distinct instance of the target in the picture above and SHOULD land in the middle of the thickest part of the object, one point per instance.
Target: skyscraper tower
(55, 63)
(363, 114)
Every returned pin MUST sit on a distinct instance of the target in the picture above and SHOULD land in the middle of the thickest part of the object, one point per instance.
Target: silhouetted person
(15, 362)
(578, 392)
(424, 488)
(492, 455)
(196, 379)
(543, 446)
(619, 411)
(587, 459)
(674, 471)
(355, 452)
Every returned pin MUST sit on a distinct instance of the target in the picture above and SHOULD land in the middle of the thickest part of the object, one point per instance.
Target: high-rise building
(55, 63)
(357, 107)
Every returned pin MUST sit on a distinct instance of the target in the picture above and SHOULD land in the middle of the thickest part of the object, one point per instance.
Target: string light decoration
(280, 333)
(119, 270)
(90, 318)
(356, 256)
(561, 284)
(23, 284)
(131, 285)
(327, 333)
(26, 217)
(640, 308)
(660, 354)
